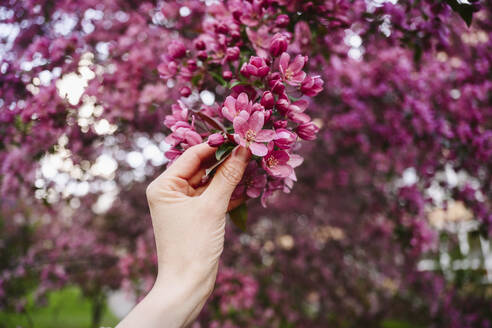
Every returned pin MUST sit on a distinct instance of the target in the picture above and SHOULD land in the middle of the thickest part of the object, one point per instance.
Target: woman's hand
(189, 222)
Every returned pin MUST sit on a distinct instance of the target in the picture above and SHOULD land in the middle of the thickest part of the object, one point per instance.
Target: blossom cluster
(264, 110)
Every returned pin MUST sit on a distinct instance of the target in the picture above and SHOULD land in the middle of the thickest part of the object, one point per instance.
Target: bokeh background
(389, 223)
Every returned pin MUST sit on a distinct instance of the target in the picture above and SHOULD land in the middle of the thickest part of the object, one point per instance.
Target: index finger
(189, 162)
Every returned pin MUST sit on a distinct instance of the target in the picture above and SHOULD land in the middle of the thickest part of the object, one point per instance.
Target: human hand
(189, 226)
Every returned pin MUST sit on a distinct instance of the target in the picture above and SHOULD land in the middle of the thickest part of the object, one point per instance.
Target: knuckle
(231, 173)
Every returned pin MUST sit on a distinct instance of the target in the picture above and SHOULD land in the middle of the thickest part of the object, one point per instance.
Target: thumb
(228, 176)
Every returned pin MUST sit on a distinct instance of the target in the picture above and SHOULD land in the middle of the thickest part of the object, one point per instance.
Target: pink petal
(299, 105)
(229, 113)
(240, 141)
(265, 135)
(281, 171)
(298, 63)
(258, 149)
(253, 192)
(295, 160)
(256, 121)
(281, 156)
(284, 62)
(244, 114)
(242, 102)
(241, 126)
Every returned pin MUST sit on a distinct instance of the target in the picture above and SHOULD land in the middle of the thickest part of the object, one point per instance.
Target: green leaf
(236, 83)
(223, 151)
(218, 78)
(239, 216)
(465, 10)
(195, 80)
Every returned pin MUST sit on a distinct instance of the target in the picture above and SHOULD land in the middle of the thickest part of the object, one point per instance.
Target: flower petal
(241, 125)
(242, 102)
(256, 121)
(253, 192)
(298, 63)
(281, 171)
(295, 160)
(281, 156)
(265, 135)
(258, 149)
(284, 62)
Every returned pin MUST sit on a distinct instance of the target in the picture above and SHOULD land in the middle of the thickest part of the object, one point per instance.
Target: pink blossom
(284, 138)
(216, 139)
(167, 68)
(249, 132)
(176, 49)
(253, 182)
(282, 20)
(312, 85)
(232, 53)
(257, 66)
(232, 106)
(307, 131)
(267, 100)
(292, 72)
(278, 44)
(276, 163)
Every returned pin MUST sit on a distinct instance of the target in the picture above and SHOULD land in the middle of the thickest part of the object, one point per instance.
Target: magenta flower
(179, 114)
(278, 44)
(253, 182)
(232, 53)
(284, 138)
(176, 49)
(256, 66)
(307, 131)
(267, 100)
(312, 85)
(167, 68)
(292, 73)
(232, 106)
(249, 132)
(276, 163)
(216, 139)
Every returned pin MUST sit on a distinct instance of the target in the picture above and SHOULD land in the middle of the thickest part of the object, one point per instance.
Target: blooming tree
(398, 94)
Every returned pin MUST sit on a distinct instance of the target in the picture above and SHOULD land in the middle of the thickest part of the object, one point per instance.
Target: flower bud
(202, 55)
(215, 140)
(285, 138)
(282, 20)
(280, 124)
(268, 115)
(192, 65)
(312, 85)
(176, 49)
(307, 131)
(244, 70)
(283, 104)
(185, 91)
(200, 45)
(222, 28)
(278, 87)
(267, 100)
(278, 44)
(232, 53)
(227, 75)
(256, 66)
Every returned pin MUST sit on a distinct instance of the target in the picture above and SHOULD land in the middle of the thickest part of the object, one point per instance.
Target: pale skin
(189, 221)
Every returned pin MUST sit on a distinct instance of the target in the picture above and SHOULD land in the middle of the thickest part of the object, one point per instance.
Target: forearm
(171, 303)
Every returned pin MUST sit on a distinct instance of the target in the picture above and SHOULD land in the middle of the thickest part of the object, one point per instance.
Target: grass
(66, 308)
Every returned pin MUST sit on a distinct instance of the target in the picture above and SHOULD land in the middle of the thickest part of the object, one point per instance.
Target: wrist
(181, 296)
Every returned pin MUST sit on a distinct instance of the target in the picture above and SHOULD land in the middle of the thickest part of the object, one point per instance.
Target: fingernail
(242, 153)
